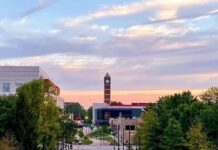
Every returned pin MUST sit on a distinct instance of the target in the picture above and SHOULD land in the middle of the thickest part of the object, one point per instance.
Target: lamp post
(86, 122)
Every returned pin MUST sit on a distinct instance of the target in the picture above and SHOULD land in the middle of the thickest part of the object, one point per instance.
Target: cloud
(139, 56)
(165, 11)
(151, 30)
(41, 4)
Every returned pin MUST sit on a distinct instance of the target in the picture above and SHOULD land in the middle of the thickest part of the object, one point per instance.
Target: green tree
(76, 109)
(28, 114)
(149, 131)
(172, 137)
(175, 114)
(209, 116)
(89, 115)
(7, 109)
(36, 117)
(68, 129)
(211, 95)
(49, 123)
(197, 139)
(174, 106)
(209, 119)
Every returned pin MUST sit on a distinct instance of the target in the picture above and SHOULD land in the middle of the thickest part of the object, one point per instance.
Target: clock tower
(107, 88)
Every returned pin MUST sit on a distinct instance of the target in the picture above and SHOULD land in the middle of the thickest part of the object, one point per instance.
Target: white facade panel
(15, 76)
(12, 77)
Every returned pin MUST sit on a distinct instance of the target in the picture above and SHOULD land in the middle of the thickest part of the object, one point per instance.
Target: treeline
(181, 122)
(30, 120)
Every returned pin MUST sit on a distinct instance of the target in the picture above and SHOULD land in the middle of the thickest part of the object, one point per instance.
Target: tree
(165, 122)
(173, 106)
(209, 116)
(197, 139)
(149, 131)
(211, 95)
(7, 108)
(28, 111)
(89, 115)
(172, 137)
(209, 119)
(76, 109)
(68, 129)
(36, 117)
(49, 123)
(115, 103)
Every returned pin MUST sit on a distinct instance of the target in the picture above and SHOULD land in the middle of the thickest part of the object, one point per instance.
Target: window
(130, 127)
(6, 87)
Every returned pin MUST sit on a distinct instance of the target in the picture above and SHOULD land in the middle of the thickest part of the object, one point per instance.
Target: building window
(6, 87)
(130, 127)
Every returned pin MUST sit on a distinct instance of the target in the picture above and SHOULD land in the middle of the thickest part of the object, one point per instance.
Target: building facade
(103, 112)
(12, 77)
(124, 129)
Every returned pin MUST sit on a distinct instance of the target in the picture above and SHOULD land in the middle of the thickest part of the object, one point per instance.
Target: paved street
(89, 147)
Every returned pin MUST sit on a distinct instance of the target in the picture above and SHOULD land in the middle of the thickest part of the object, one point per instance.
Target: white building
(12, 77)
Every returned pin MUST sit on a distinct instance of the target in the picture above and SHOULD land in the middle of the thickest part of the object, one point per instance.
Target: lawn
(86, 142)
(99, 135)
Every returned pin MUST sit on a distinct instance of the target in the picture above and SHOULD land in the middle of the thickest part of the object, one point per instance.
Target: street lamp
(86, 121)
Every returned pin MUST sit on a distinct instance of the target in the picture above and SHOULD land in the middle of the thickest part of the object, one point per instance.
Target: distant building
(12, 77)
(124, 129)
(102, 112)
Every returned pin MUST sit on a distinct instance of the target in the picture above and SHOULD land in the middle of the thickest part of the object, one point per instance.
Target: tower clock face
(107, 81)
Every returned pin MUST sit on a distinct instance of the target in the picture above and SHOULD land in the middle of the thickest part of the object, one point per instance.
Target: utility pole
(129, 137)
(118, 138)
(114, 140)
(123, 137)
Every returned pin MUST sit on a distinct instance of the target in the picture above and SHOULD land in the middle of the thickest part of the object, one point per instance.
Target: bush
(81, 134)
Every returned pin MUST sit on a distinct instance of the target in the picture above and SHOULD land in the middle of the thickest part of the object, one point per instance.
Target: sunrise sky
(150, 47)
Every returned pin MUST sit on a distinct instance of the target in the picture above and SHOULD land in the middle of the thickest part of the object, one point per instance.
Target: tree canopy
(176, 121)
(32, 119)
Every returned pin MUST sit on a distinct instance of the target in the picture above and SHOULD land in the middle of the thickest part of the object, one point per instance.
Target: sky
(150, 48)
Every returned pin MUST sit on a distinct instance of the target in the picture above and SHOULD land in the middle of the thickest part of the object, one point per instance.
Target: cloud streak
(165, 11)
(41, 4)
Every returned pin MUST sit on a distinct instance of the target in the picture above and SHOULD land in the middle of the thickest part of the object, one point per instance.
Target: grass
(109, 139)
(103, 134)
(97, 134)
(86, 142)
